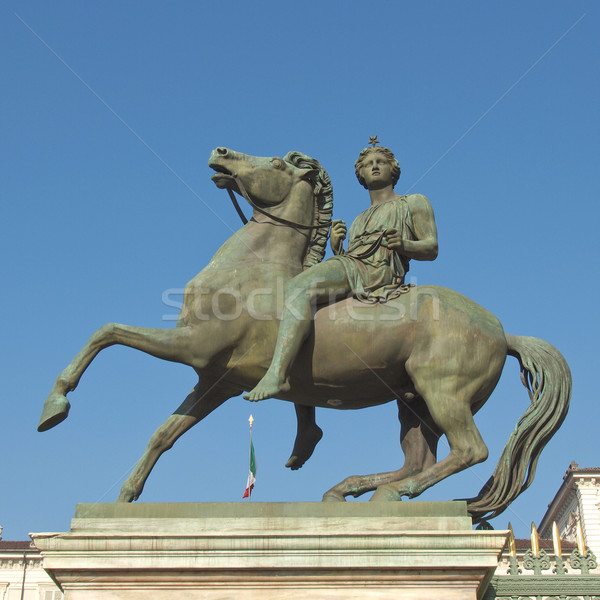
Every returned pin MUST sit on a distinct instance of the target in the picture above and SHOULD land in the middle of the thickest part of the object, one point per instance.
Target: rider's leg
(322, 283)
(309, 434)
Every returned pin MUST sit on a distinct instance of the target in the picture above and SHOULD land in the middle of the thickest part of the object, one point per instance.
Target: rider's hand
(394, 241)
(338, 235)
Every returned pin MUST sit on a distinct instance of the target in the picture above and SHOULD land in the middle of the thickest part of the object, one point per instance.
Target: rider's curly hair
(387, 153)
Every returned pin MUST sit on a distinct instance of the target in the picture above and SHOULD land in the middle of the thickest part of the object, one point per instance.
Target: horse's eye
(277, 163)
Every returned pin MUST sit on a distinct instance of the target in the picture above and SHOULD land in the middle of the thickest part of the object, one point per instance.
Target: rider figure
(383, 239)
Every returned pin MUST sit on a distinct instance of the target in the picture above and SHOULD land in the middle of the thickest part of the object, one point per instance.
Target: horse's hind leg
(419, 437)
(308, 436)
(169, 344)
(450, 409)
(200, 402)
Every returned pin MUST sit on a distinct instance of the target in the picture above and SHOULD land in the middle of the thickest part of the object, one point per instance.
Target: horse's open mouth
(223, 177)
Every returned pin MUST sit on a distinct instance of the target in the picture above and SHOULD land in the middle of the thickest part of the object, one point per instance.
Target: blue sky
(109, 113)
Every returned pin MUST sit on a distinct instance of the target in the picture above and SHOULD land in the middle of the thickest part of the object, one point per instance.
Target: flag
(251, 474)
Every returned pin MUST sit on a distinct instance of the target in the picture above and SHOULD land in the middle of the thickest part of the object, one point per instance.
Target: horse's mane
(323, 195)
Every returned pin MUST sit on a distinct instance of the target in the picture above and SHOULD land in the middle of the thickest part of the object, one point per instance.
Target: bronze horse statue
(434, 351)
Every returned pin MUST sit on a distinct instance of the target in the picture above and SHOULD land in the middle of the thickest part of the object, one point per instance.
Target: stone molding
(15, 561)
(420, 551)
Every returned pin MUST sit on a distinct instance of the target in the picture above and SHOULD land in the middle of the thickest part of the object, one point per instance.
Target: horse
(438, 354)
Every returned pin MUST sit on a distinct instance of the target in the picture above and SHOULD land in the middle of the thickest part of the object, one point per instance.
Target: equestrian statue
(269, 318)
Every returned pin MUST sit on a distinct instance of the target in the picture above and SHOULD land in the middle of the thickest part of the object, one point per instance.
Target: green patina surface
(270, 509)
(436, 353)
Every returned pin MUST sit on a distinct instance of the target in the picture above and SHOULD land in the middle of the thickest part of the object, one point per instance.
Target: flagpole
(250, 420)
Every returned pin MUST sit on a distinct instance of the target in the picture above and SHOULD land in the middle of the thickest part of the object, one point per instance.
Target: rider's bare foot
(304, 447)
(268, 387)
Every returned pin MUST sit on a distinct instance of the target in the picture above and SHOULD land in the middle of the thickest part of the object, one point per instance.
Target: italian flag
(251, 474)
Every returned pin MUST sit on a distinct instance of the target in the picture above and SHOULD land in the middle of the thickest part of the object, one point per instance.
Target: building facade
(577, 500)
(21, 574)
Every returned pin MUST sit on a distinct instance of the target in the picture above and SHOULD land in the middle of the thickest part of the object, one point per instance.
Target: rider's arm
(338, 235)
(425, 247)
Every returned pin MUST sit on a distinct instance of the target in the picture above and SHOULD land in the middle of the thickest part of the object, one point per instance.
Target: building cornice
(572, 479)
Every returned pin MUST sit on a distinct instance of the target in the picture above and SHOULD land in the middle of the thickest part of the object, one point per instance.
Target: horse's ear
(307, 173)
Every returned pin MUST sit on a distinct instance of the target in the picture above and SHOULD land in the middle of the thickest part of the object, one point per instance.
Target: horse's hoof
(129, 493)
(126, 497)
(333, 497)
(56, 410)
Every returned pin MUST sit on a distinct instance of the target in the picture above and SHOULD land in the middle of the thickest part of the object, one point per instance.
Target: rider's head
(363, 156)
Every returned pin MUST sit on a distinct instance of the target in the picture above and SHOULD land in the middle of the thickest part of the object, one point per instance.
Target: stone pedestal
(296, 551)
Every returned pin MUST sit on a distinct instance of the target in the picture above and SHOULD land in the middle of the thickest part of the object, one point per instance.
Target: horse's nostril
(222, 151)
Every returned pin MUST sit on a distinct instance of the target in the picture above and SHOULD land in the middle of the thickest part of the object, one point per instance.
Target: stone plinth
(296, 551)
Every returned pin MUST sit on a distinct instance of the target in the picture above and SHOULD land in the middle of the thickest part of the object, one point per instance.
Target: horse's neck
(262, 240)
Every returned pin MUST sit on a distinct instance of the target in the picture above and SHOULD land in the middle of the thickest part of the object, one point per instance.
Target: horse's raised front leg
(418, 438)
(177, 345)
(201, 401)
(308, 435)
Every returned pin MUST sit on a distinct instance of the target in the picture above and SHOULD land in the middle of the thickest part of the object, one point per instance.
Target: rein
(264, 212)
(361, 256)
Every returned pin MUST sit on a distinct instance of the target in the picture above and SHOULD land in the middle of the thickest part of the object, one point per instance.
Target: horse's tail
(547, 377)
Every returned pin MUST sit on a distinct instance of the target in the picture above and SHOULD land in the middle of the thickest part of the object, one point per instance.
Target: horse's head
(267, 180)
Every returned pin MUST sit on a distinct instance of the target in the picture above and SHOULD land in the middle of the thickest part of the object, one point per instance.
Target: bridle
(361, 255)
(264, 212)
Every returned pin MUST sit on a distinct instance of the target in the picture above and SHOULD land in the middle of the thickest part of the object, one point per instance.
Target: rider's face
(376, 170)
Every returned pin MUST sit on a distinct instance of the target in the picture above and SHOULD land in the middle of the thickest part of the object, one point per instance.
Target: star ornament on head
(373, 140)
